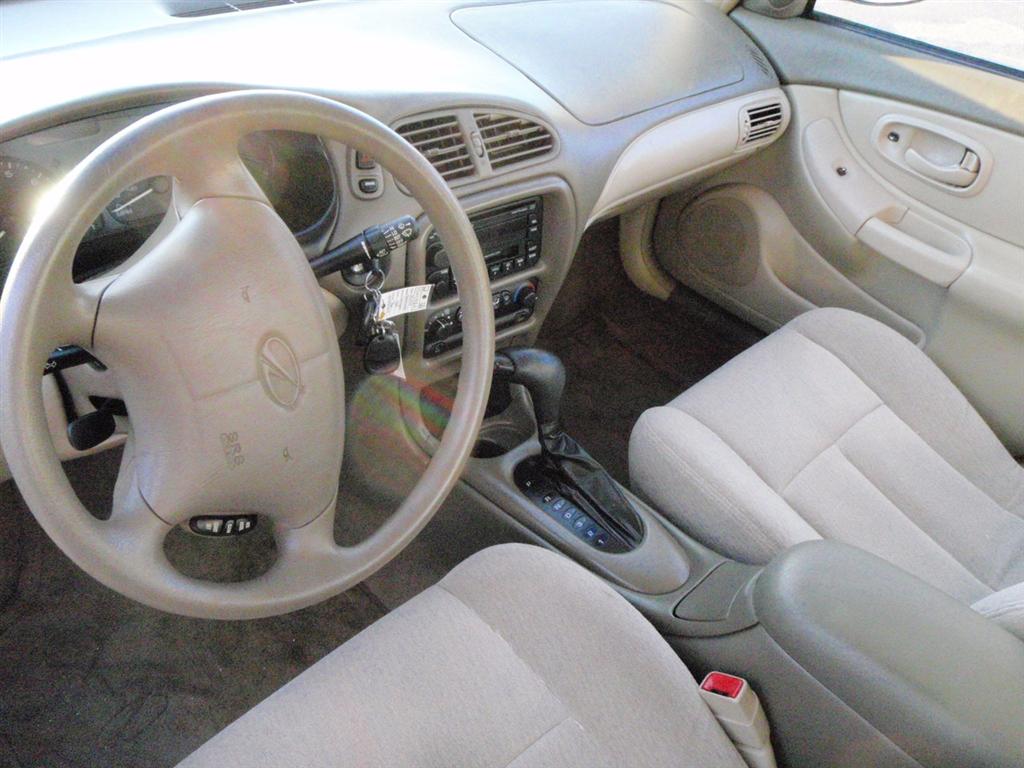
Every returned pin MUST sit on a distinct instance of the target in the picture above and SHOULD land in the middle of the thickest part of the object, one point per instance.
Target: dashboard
(542, 116)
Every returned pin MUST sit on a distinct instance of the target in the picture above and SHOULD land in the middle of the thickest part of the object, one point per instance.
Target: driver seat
(518, 658)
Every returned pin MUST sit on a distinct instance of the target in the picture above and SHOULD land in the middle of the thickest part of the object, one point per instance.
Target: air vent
(440, 140)
(193, 8)
(760, 123)
(510, 140)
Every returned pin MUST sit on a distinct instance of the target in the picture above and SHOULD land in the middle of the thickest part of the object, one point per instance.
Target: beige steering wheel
(226, 357)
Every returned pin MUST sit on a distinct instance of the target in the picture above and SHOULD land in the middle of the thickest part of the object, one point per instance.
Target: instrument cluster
(293, 169)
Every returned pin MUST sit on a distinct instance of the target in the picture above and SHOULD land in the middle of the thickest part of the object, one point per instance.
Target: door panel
(912, 208)
(992, 202)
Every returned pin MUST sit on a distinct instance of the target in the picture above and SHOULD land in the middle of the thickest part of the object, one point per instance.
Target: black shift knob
(543, 375)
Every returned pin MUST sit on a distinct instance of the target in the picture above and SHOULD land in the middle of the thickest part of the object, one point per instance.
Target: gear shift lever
(543, 375)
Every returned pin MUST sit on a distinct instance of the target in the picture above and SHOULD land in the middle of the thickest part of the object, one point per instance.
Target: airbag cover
(608, 60)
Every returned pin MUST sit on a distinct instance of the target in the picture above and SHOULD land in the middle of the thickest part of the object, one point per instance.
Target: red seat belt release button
(729, 686)
(739, 712)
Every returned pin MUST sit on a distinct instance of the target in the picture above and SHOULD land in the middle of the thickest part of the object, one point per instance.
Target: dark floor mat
(89, 678)
(626, 351)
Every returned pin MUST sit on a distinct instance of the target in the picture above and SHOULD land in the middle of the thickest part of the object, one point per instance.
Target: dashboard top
(388, 55)
(600, 75)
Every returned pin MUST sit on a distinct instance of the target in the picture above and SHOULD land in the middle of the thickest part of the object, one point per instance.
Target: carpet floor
(626, 351)
(89, 678)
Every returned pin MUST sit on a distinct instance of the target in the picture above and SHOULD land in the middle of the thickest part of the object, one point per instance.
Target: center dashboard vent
(441, 141)
(760, 122)
(509, 140)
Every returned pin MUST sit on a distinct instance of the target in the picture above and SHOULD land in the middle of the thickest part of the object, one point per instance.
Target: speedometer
(22, 184)
(143, 201)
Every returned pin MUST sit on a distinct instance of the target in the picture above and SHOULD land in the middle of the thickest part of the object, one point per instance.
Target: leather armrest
(940, 681)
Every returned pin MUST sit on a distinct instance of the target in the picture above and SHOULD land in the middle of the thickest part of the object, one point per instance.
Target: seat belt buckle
(734, 703)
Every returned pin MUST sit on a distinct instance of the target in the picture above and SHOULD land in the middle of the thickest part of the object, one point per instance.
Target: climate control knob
(525, 296)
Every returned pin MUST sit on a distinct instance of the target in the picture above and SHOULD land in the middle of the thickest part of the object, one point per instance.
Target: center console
(860, 663)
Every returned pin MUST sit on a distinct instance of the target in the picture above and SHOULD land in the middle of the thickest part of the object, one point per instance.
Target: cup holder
(498, 439)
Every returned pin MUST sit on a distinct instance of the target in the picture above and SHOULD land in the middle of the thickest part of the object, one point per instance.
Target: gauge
(22, 185)
(143, 201)
(295, 174)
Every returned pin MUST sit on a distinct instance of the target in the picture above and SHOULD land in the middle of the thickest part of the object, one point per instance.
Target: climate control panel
(514, 305)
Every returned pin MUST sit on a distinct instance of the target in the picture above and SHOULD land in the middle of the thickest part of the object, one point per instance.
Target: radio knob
(442, 286)
(440, 328)
(525, 296)
(439, 258)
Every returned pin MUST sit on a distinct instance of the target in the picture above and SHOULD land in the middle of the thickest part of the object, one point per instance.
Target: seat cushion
(837, 427)
(517, 658)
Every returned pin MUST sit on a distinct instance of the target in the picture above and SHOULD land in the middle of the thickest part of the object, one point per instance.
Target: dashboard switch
(369, 186)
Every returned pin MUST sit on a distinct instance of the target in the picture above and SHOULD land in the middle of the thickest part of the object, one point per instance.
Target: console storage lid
(941, 682)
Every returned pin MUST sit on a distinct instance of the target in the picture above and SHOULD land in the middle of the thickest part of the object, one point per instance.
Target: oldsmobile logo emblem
(279, 372)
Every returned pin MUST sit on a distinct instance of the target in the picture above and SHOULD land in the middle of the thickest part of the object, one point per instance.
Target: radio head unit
(509, 236)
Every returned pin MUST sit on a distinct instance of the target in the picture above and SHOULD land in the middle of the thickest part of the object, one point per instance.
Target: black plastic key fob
(383, 353)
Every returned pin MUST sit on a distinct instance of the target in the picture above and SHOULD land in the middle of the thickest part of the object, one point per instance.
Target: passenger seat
(837, 427)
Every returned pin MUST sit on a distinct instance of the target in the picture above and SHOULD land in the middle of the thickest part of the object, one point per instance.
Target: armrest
(940, 681)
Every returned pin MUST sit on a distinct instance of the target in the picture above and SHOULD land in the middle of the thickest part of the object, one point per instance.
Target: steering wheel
(226, 356)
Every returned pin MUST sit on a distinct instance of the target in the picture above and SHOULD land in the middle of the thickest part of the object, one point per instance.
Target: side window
(988, 31)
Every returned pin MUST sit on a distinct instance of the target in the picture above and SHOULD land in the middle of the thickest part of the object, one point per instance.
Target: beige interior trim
(673, 153)
(972, 322)
(636, 247)
(736, 245)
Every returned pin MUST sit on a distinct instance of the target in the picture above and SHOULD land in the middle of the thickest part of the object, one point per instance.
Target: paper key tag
(403, 301)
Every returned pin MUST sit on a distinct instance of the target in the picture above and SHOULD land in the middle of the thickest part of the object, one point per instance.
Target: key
(369, 327)
(383, 353)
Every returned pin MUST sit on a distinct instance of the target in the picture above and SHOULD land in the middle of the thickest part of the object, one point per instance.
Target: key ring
(375, 281)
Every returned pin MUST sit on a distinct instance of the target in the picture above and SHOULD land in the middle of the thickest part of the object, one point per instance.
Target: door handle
(961, 175)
